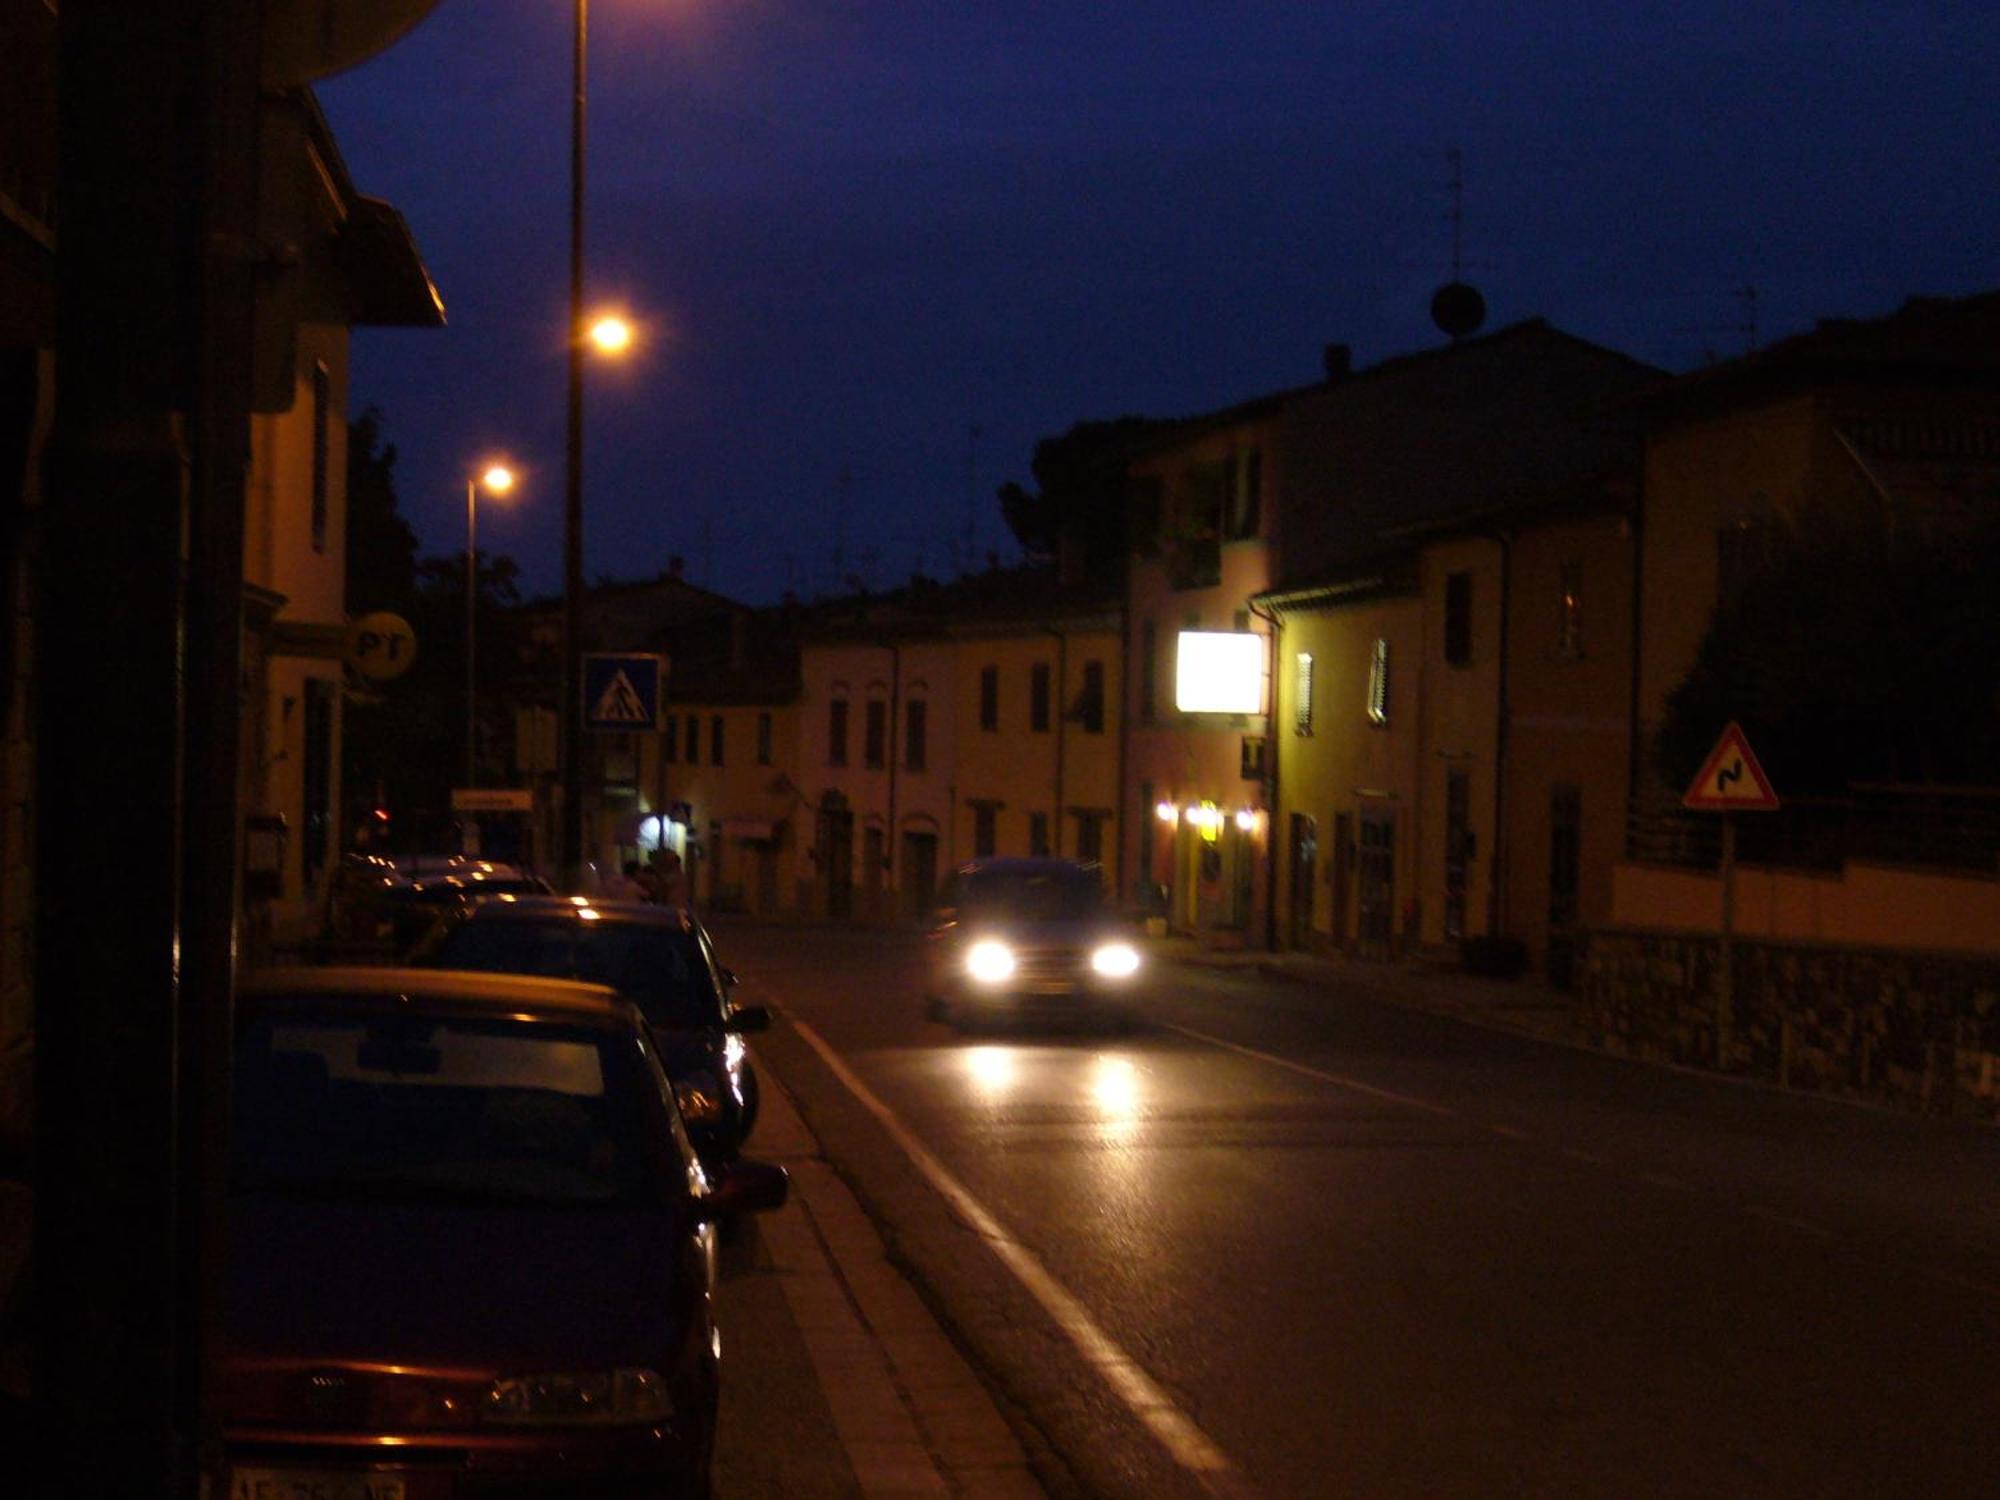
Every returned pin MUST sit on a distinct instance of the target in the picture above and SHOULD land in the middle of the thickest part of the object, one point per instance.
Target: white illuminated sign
(1219, 672)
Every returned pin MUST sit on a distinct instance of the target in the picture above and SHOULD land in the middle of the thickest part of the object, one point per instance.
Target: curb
(911, 1414)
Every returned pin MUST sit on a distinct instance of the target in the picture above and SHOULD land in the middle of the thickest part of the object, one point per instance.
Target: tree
(1858, 653)
(1077, 511)
(381, 547)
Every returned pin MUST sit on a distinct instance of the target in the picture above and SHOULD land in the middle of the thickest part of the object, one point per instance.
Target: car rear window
(411, 1108)
(660, 969)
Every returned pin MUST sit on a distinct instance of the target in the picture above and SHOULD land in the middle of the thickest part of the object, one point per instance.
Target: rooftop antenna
(1457, 307)
(707, 552)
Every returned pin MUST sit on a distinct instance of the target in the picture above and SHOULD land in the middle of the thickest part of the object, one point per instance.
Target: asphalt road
(1292, 1240)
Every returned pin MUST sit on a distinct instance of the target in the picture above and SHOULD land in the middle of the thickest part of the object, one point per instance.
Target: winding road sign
(1731, 780)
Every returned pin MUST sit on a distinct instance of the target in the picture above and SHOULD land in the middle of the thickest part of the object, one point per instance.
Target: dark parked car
(1029, 939)
(377, 900)
(658, 957)
(471, 1249)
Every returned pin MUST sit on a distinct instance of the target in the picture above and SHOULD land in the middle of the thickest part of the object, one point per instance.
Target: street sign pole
(1725, 974)
(1729, 782)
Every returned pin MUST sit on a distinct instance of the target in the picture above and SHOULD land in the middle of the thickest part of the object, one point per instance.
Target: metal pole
(471, 632)
(572, 634)
(1725, 977)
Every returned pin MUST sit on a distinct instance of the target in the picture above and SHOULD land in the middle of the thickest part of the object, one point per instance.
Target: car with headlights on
(658, 957)
(1030, 939)
(471, 1248)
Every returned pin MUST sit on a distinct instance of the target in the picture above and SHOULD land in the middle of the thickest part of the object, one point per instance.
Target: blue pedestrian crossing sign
(621, 692)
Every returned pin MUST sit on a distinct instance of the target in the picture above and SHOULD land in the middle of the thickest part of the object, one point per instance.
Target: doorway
(919, 883)
(1305, 864)
(1375, 877)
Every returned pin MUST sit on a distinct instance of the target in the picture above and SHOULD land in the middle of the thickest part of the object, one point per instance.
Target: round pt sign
(381, 646)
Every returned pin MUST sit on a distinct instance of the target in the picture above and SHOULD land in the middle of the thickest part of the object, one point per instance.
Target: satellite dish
(307, 40)
(1458, 309)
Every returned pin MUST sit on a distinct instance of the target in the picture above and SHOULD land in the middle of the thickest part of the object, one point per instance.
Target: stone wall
(1916, 1029)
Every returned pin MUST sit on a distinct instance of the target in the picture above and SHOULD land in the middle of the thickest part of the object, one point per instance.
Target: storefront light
(1166, 812)
(1246, 819)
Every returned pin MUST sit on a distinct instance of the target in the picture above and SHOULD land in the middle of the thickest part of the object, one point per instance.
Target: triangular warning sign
(620, 703)
(1731, 780)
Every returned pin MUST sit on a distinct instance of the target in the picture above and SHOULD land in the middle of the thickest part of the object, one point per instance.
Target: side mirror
(744, 1187)
(748, 1018)
(729, 977)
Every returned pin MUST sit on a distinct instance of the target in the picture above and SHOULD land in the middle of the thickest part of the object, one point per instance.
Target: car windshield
(1052, 895)
(413, 1108)
(659, 969)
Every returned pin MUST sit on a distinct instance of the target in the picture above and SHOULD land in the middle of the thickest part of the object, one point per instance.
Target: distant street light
(611, 334)
(498, 479)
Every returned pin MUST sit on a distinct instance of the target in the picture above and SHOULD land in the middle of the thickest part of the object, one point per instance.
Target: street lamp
(498, 479)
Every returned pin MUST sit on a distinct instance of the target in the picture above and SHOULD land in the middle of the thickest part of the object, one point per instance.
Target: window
(670, 738)
(322, 419)
(836, 732)
(1090, 702)
(1038, 698)
(984, 816)
(1302, 692)
(693, 740)
(1458, 618)
(1378, 683)
(1149, 671)
(875, 737)
(1090, 834)
(1743, 549)
(715, 740)
(915, 716)
(1246, 493)
(989, 697)
(764, 738)
(1038, 833)
(1569, 620)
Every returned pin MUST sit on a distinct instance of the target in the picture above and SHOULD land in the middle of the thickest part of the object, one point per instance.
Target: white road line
(1185, 1442)
(1661, 1180)
(1443, 1110)
(1511, 1132)
(1587, 1156)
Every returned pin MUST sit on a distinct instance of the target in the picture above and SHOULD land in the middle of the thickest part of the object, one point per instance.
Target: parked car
(658, 957)
(471, 1247)
(1029, 939)
(398, 902)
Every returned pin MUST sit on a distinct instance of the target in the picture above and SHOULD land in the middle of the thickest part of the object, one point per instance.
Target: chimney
(1339, 361)
(676, 564)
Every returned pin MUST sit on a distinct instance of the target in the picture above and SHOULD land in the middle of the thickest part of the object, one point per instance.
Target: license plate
(313, 1484)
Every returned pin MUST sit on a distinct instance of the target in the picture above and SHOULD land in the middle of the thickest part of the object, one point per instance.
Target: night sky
(853, 233)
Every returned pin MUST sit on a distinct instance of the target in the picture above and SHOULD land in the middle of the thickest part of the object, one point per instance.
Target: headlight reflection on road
(992, 1069)
(1114, 1085)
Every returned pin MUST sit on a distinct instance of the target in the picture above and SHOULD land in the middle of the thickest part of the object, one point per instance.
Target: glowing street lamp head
(610, 334)
(498, 479)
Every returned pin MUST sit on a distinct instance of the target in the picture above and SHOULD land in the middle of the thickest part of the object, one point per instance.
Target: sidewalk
(908, 1415)
(1529, 1005)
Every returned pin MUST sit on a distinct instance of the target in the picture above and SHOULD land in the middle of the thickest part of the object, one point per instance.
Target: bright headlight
(989, 962)
(582, 1398)
(1115, 960)
(700, 1098)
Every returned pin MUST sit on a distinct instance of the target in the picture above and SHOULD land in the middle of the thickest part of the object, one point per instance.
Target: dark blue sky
(854, 231)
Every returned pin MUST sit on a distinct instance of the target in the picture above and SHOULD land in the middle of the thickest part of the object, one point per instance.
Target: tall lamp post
(498, 479)
(609, 335)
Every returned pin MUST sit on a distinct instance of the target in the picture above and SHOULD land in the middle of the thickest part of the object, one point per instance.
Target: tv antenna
(1457, 307)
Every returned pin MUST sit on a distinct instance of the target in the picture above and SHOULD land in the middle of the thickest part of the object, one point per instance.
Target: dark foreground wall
(1920, 1030)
